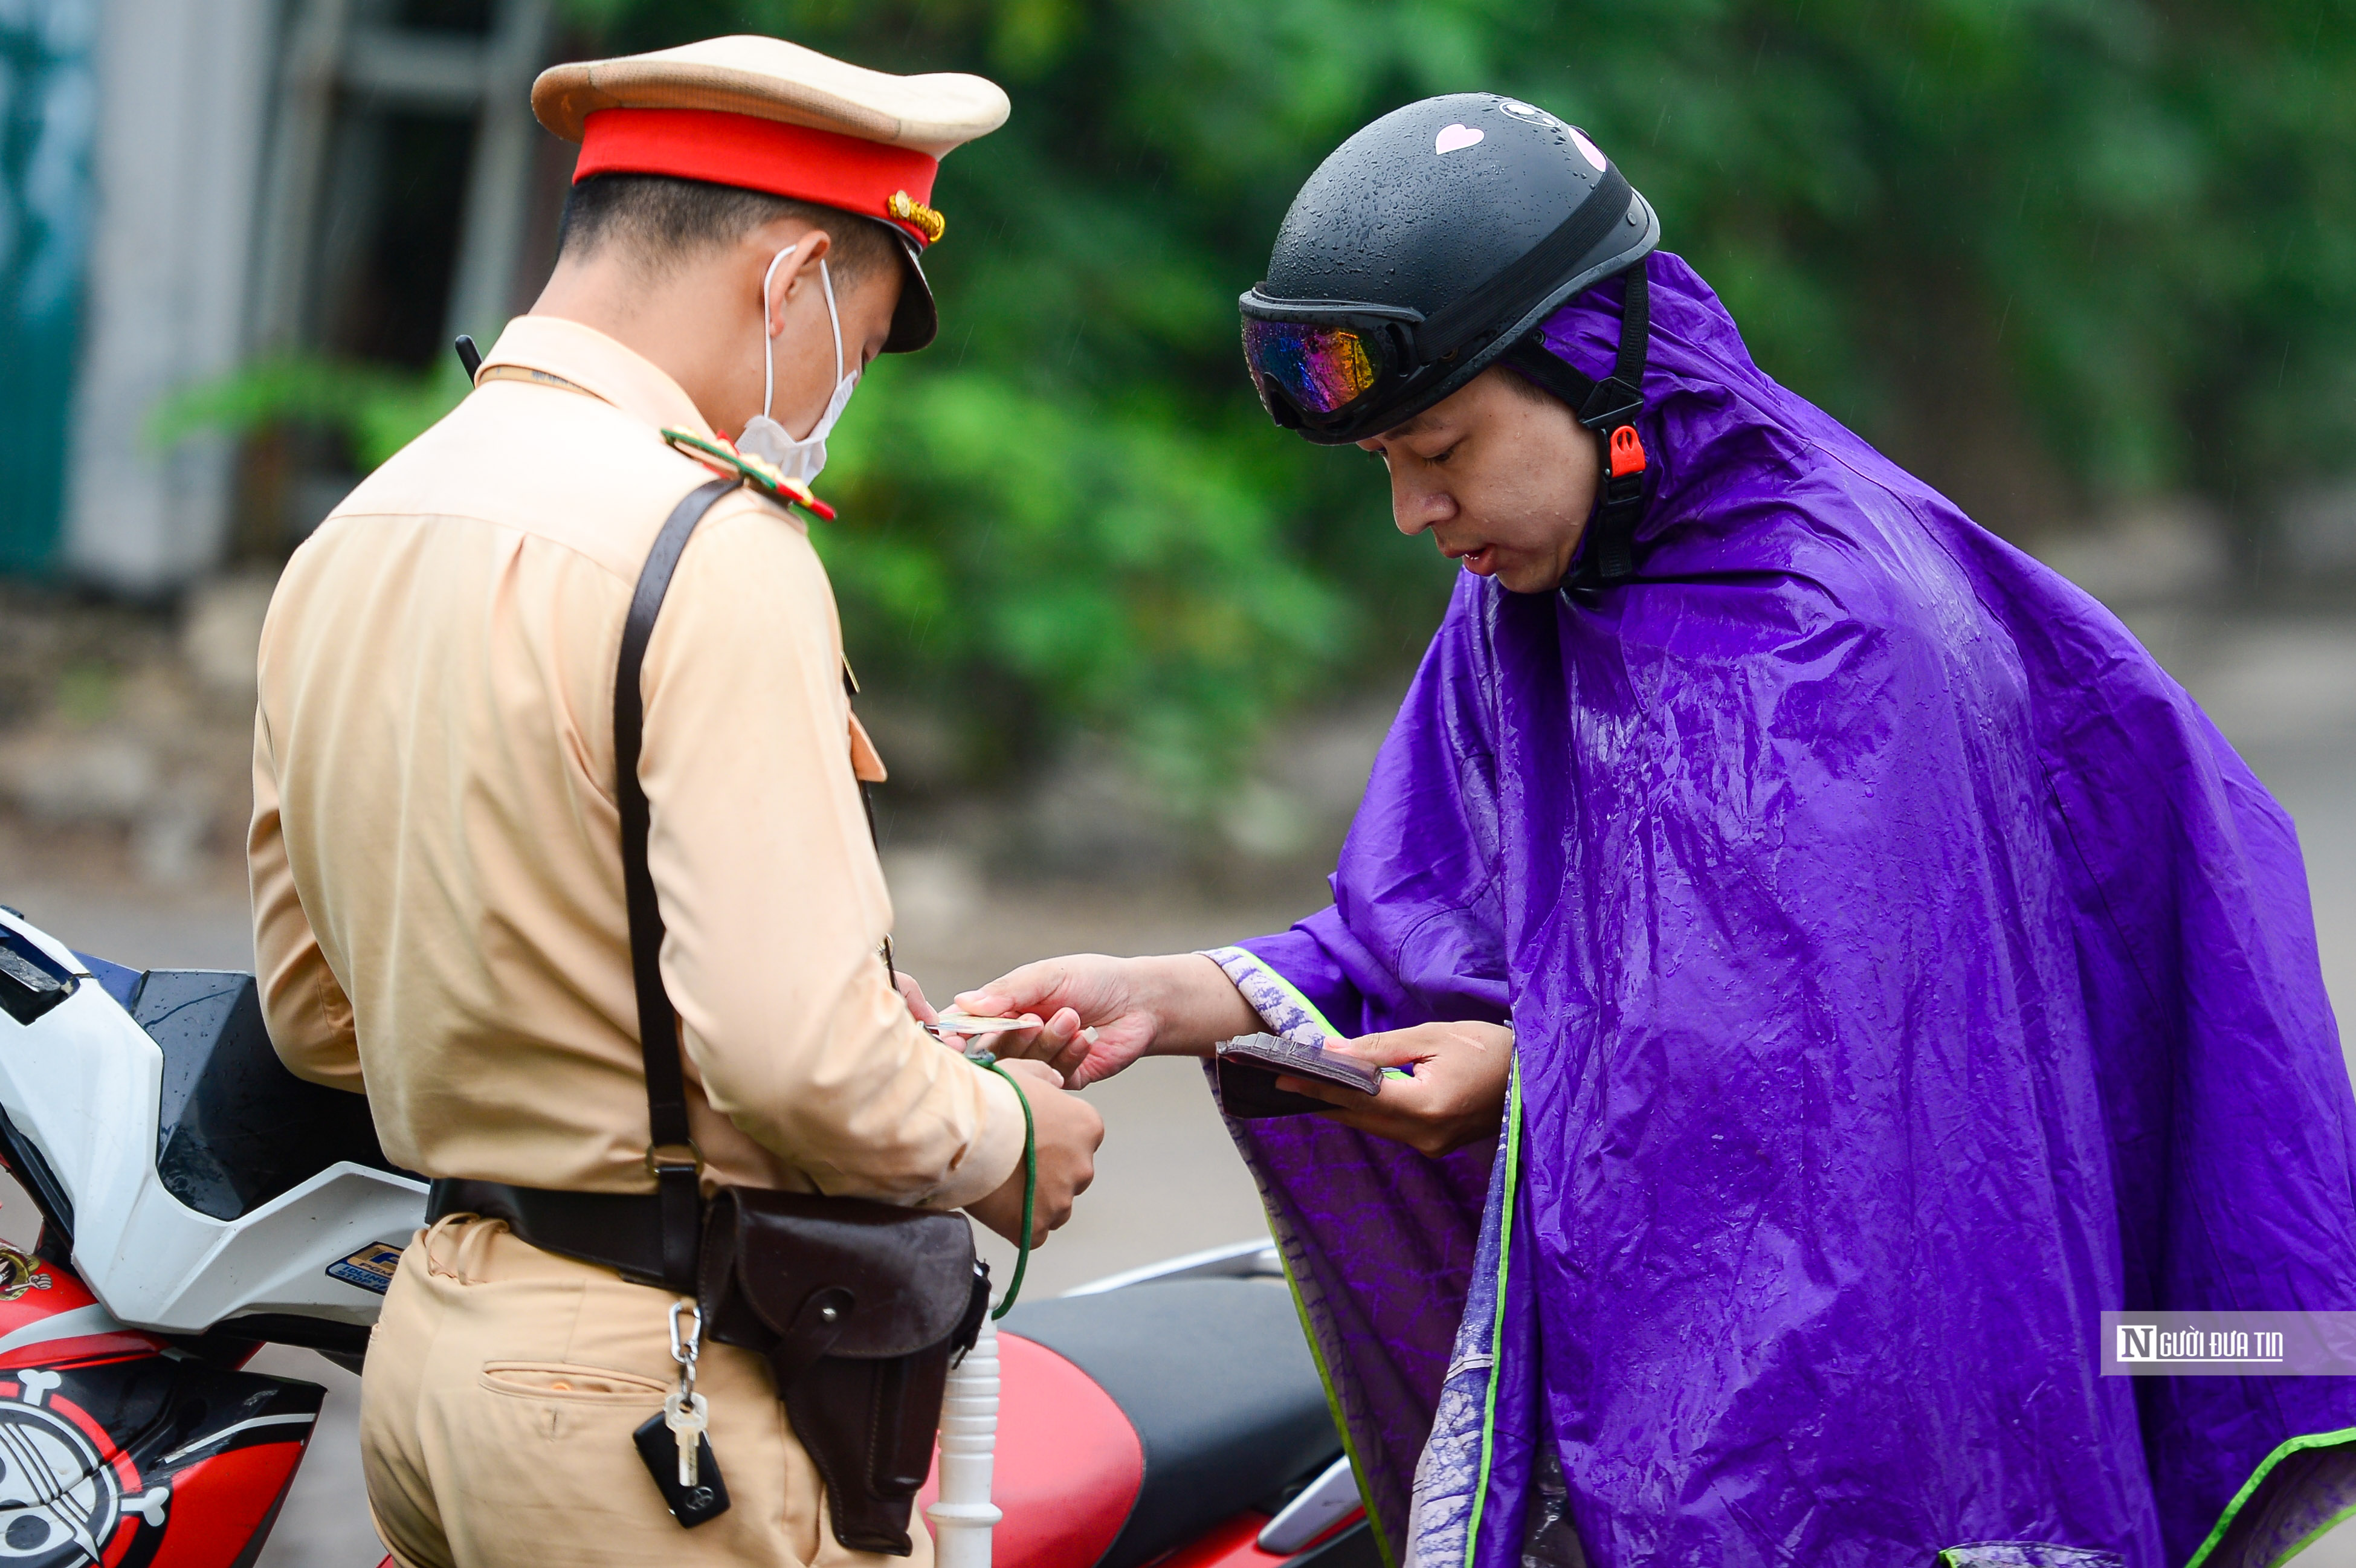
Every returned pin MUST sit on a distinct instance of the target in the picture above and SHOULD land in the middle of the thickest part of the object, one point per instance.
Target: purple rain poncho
(1903, 972)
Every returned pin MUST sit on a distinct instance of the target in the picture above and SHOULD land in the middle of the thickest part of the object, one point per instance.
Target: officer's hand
(913, 995)
(1067, 1129)
(1457, 1095)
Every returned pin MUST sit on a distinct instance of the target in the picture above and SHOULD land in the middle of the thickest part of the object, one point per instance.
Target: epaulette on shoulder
(716, 452)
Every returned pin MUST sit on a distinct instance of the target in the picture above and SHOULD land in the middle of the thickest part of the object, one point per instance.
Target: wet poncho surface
(1903, 972)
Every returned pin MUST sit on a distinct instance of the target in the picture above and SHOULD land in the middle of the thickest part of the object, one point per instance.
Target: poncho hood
(1903, 972)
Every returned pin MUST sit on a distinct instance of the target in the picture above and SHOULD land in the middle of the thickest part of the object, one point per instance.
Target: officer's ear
(787, 253)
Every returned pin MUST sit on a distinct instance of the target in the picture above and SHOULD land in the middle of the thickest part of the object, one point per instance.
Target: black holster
(860, 1308)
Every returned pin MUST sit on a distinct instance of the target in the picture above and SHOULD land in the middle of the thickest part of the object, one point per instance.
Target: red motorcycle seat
(1068, 1466)
(1216, 1380)
(1143, 1419)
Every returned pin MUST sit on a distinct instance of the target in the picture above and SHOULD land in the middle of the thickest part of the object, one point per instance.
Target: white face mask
(767, 439)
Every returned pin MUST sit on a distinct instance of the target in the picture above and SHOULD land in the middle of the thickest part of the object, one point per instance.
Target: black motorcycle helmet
(1422, 250)
(1429, 247)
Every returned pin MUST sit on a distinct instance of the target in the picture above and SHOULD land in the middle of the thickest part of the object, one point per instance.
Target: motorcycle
(198, 1201)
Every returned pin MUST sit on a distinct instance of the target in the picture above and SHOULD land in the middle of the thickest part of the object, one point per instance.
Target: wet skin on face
(1500, 475)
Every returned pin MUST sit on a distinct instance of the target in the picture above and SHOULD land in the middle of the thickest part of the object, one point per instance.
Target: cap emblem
(1455, 138)
(929, 223)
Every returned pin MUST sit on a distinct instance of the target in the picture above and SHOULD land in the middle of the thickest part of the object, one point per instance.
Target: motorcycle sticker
(371, 1268)
(19, 1272)
(145, 1462)
(64, 1498)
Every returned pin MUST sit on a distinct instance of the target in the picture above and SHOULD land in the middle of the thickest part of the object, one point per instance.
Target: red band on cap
(796, 161)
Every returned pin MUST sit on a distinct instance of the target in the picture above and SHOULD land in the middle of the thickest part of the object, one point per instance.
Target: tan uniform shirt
(436, 851)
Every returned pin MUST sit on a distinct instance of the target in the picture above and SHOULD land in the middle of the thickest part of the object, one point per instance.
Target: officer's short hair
(663, 218)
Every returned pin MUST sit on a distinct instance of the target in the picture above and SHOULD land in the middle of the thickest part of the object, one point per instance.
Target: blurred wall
(241, 153)
(184, 90)
(47, 107)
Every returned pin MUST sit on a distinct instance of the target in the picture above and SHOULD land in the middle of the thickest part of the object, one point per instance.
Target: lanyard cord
(1030, 1184)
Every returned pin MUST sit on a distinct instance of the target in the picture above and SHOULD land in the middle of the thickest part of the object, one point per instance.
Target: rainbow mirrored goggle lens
(1320, 370)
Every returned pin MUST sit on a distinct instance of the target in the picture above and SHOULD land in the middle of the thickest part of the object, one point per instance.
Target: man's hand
(1457, 1095)
(1067, 1129)
(1104, 1013)
(1086, 992)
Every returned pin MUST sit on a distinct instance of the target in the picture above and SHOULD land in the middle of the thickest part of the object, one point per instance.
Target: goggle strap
(1549, 261)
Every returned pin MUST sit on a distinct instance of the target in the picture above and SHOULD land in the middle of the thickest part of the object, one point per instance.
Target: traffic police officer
(439, 913)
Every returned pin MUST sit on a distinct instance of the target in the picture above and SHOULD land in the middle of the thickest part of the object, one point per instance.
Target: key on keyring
(687, 1416)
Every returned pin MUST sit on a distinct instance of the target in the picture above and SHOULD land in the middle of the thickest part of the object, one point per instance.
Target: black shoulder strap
(1609, 408)
(671, 1153)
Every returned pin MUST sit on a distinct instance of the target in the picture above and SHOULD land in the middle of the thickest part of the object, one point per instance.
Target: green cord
(1030, 1184)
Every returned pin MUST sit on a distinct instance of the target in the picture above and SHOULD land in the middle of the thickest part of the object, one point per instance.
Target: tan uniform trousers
(503, 1384)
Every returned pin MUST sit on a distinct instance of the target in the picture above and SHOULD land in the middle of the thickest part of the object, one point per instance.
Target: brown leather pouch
(859, 1307)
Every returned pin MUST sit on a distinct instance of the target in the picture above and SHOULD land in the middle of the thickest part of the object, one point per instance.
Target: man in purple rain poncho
(1841, 963)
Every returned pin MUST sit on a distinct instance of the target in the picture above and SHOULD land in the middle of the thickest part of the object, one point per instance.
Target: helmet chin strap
(1608, 409)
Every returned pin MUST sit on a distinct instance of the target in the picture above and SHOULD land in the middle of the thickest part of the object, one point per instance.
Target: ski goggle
(1311, 363)
(1322, 369)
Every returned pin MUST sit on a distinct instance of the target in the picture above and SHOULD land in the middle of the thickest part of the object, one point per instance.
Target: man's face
(804, 337)
(1501, 479)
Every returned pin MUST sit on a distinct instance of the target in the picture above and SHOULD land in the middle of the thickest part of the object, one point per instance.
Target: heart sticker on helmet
(1454, 138)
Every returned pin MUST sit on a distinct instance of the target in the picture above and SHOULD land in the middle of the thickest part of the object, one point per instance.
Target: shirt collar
(605, 369)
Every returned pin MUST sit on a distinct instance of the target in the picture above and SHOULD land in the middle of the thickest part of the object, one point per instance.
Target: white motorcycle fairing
(83, 1087)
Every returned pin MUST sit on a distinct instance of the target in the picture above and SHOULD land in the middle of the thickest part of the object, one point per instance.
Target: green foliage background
(2053, 253)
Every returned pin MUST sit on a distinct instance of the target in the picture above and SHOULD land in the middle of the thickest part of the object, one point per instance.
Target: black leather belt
(622, 1231)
